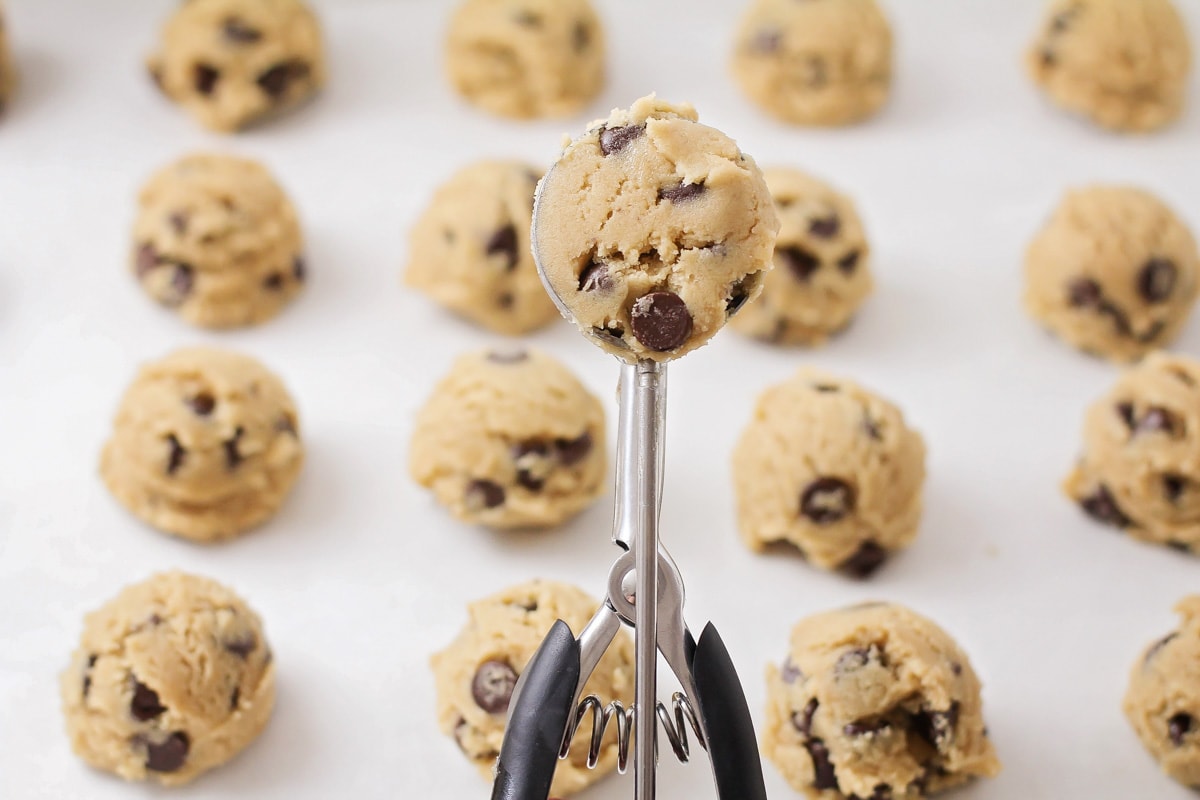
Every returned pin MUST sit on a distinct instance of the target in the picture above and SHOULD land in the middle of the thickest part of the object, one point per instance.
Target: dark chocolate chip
(572, 451)
(539, 450)
(661, 321)
(766, 40)
(1173, 487)
(790, 673)
(205, 78)
(236, 30)
(242, 646)
(1179, 726)
(739, 293)
(681, 192)
(484, 494)
(273, 282)
(176, 456)
(299, 269)
(1153, 332)
(1157, 647)
(1125, 412)
(936, 727)
(1157, 279)
(855, 659)
(881, 792)
(595, 277)
(460, 729)
(169, 755)
(801, 262)
(866, 560)
(147, 259)
(233, 456)
(181, 281)
(179, 222)
(145, 704)
(510, 357)
(872, 427)
(1084, 293)
(581, 36)
(862, 727)
(614, 140)
(1048, 58)
(87, 676)
(202, 404)
(1157, 419)
(849, 262)
(235, 697)
(956, 668)
(492, 686)
(504, 242)
(825, 227)
(824, 776)
(802, 720)
(827, 500)
(276, 80)
(286, 424)
(1102, 507)
(614, 335)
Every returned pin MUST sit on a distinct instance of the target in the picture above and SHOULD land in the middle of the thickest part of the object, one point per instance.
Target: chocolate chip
(856, 658)
(483, 494)
(492, 686)
(1173, 486)
(179, 222)
(242, 646)
(1157, 647)
(681, 193)
(661, 321)
(169, 755)
(521, 456)
(145, 704)
(827, 500)
(1102, 507)
(510, 357)
(205, 78)
(861, 727)
(286, 424)
(936, 727)
(236, 30)
(825, 227)
(790, 673)
(824, 776)
(849, 262)
(614, 140)
(872, 427)
(1125, 412)
(595, 277)
(1157, 279)
(1178, 727)
(202, 404)
(233, 456)
(176, 456)
(460, 729)
(614, 335)
(1084, 293)
(146, 260)
(299, 269)
(801, 262)
(235, 697)
(1048, 58)
(739, 293)
(276, 80)
(181, 281)
(504, 242)
(87, 676)
(1157, 419)
(881, 792)
(802, 720)
(572, 451)
(1153, 332)
(273, 282)
(826, 388)
(866, 560)
(956, 668)
(581, 36)
(766, 40)
(1061, 21)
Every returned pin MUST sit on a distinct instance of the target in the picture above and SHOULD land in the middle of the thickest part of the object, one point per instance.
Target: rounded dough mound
(470, 249)
(230, 63)
(218, 241)
(1122, 63)
(822, 264)
(1113, 272)
(878, 703)
(205, 445)
(818, 62)
(526, 58)
(510, 440)
(475, 675)
(653, 230)
(8, 70)
(832, 469)
(172, 677)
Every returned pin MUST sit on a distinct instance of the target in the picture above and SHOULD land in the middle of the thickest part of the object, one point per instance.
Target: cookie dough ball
(510, 440)
(8, 70)
(476, 674)
(1140, 468)
(526, 58)
(653, 230)
(832, 469)
(172, 677)
(231, 63)
(875, 702)
(470, 249)
(818, 62)
(205, 445)
(1114, 272)
(1123, 63)
(822, 272)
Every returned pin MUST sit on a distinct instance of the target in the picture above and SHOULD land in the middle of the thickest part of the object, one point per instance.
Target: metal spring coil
(622, 718)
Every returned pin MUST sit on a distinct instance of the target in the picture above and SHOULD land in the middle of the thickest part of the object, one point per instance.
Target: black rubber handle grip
(732, 745)
(538, 721)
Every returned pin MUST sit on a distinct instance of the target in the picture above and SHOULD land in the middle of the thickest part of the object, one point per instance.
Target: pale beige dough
(1122, 63)
(875, 702)
(815, 62)
(475, 675)
(831, 469)
(653, 230)
(1113, 272)
(510, 439)
(217, 240)
(8, 68)
(822, 264)
(1140, 468)
(526, 58)
(231, 63)
(470, 249)
(205, 445)
(172, 678)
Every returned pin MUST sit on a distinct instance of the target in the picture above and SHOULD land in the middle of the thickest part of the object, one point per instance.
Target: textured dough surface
(205, 445)
(8, 69)
(172, 677)
(878, 703)
(1140, 468)
(482, 664)
(510, 440)
(526, 58)
(1113, 272)
(653, 230)
(1122, 63)
(817, 62)
(218, 241)
(470, 249)
(832, 469)
(230, 63)
(822, 264)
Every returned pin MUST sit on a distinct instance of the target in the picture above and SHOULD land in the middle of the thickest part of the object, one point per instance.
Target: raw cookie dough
(875, 702)
(205, 445)
(231, 63)
(217, 240)
(1123, 63)
(470, 250)
(475, 675)
(8, 70)
(1163, 700)
(653, 230)
(831, 468)
(510, 440)
(173, 677)
(526, 58)
(1140, 469)
(1113, 272)
(817, 62)
(822, 272)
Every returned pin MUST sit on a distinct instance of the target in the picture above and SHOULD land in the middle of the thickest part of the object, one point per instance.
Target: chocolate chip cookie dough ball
(231, 63)
(470, 249)
(1122, 63)
(653, 230)
(832, 469)
(205, 445)
(8, 70)
(817, 62)
(875, 701)
(476, 674)
(822, 272)
(1140, 468)
(217, 240)
(526, 58)
(172, 677)
(510, 440)
(1114, 272)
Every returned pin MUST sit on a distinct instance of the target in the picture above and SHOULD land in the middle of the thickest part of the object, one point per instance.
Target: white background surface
(360, 577)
